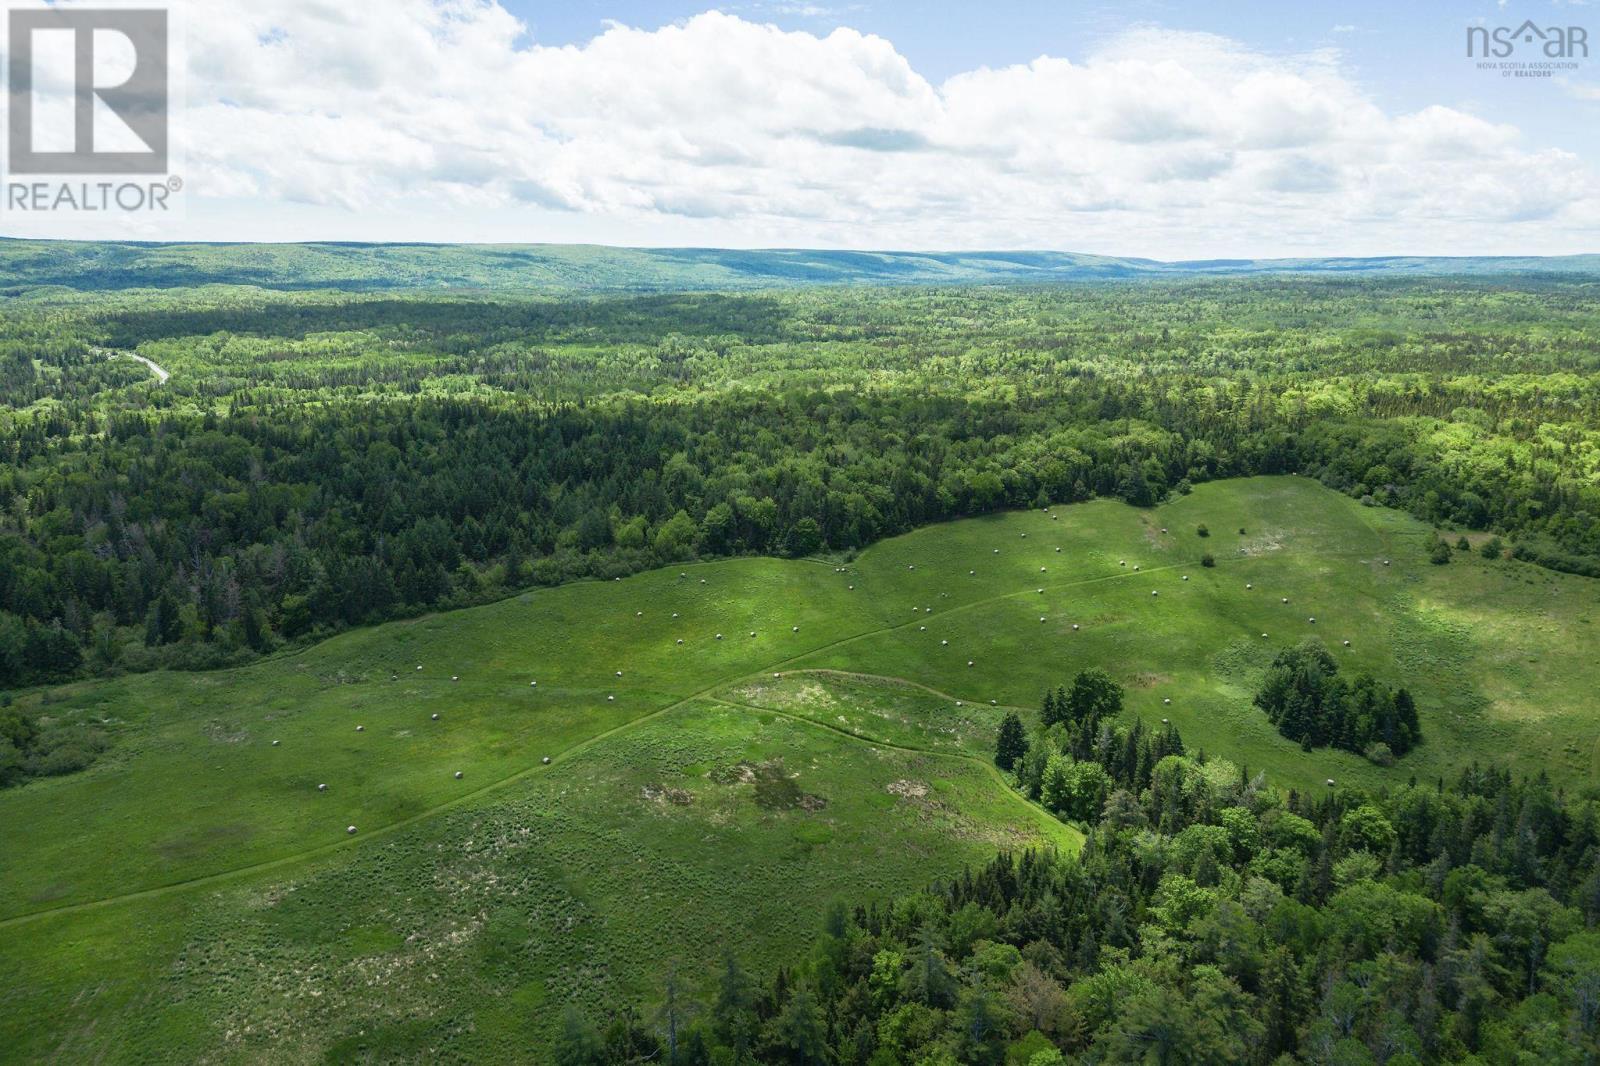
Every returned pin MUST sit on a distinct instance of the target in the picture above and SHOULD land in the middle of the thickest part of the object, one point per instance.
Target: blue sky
(1140, 128)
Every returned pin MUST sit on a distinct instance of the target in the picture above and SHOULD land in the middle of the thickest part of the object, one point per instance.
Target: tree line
(1209, 918)
(321, 461)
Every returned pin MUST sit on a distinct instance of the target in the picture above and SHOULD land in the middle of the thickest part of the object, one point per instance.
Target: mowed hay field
(196, 896)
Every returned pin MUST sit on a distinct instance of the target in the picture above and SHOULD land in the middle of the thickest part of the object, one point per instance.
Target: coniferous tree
(1012, 743)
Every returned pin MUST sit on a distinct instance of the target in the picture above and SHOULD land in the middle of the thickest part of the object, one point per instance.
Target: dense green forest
(320, 460)
(1210, 918)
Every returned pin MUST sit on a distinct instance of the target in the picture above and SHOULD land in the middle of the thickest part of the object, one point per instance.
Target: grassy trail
(580, 746)
(564, 754)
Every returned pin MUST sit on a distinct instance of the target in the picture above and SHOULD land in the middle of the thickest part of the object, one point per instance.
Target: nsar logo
(1552, 42)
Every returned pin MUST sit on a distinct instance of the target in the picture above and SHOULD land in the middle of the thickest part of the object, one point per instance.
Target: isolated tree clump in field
(1310, 703)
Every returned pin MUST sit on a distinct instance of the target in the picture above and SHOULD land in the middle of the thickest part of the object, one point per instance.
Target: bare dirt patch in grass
(662, 795)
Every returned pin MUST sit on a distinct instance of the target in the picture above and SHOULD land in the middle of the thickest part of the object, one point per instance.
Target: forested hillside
(322, 460)
(1210, 918)
(591, 268)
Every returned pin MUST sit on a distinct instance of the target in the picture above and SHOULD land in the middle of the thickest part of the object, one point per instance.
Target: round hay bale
(322, 788)
(1347, 643)
(794, 629)
(680, 640)
(969, 662)
(611, 699)
(350, 829)
(1074, 627)
(361, 729)
(944, 643)
(436, 716)
(546, 760)
(274, 743)
(719, 636)
(458, 775)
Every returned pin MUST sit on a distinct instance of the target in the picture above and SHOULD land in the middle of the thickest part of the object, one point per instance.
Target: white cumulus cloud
(737, 132)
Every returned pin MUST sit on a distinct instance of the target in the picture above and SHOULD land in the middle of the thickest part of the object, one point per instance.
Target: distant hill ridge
(567, 268)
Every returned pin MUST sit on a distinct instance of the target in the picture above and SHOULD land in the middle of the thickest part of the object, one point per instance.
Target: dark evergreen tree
(1012, 742)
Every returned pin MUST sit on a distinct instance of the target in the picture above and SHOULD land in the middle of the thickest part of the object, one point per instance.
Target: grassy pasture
(194, 895)
(707, 826)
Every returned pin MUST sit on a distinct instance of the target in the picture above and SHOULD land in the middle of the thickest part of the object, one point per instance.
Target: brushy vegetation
(29, 749)
(322, 460)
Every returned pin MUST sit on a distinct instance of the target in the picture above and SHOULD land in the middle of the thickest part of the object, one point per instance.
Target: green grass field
(194, 895)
